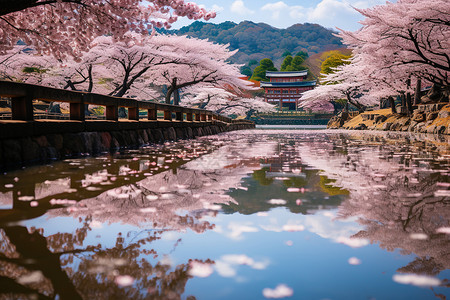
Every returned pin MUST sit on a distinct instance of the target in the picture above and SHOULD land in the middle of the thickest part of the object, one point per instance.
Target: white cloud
(238, 7)
(227, 265)
(297, 12)
(236, 230)
(330, 9)
(225, 269)
(275, 8)
(217, 8)
(366, 4)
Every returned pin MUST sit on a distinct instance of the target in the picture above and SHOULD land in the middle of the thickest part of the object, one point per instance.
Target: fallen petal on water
(96, 224)
(281, 291)
(442, 193)
(417, 280)
(124, 280)
(148, 210)
(354, 243)
(445, 230)
(293, 227)
(33, 277)
(418, 236)
(199, 269)
(354, 261)
(277, 201)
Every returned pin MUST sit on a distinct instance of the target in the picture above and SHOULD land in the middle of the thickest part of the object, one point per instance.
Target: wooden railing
(22, 96)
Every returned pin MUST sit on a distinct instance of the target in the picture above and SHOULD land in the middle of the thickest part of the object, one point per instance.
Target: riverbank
(427, 118)
(65, 140)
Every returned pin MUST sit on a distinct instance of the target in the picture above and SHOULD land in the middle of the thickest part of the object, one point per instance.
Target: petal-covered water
(244, 215)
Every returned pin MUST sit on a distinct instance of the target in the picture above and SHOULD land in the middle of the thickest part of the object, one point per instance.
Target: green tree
(286, 53)
(286, 63)
(297, 63)
(334, 60)
(252, 62)
(302, 54)
(259, 73)
(245, 70)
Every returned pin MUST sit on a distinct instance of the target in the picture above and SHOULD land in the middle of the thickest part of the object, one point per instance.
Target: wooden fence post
(22, 108)
(112, 113)
(168, 115)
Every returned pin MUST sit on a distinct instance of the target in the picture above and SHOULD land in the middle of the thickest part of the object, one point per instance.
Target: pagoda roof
(287, 74)
(265, 84)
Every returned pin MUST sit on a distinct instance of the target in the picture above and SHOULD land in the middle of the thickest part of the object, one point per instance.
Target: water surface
(244, 215)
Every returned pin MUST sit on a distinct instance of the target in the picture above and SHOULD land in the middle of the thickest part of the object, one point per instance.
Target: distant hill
(314, 61)
(260, 40)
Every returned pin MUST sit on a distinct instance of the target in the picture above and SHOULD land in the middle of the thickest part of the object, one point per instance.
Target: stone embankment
(427, 118)
(27, 150)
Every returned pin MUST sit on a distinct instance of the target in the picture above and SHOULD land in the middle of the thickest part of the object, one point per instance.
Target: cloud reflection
(227, 265)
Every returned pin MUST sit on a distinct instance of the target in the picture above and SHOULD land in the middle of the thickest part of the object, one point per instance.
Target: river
(256, 214)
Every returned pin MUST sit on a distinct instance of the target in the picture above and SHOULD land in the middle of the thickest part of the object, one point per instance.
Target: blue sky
(284, 13)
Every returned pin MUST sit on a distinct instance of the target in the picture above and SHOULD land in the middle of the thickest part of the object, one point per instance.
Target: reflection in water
(233, 216)
(401, 193)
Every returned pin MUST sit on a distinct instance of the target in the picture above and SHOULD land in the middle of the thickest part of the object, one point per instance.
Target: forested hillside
(256, 41)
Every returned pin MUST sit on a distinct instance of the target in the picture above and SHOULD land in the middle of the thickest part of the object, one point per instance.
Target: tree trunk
(170, 90)
(361, 108)
(417, 92)
(204, 104)
(403, 107)
(249, 113)
(176, 97)
(392, 104)
(33, 248)
(409, 104)
(335, 107)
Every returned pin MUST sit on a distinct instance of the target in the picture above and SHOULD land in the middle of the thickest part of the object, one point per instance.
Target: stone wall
(29, 150)
(427, 118)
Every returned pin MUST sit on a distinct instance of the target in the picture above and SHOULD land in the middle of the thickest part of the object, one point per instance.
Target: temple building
(285, 88)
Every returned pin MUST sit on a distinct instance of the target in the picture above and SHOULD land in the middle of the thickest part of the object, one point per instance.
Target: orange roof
(255, 82)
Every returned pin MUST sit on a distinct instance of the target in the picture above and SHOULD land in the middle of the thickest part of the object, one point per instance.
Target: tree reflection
(399, 193)
(280, 171)
(69, 266)
(98, 270)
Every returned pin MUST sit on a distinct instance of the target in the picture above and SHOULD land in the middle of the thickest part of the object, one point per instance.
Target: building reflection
(400, 194)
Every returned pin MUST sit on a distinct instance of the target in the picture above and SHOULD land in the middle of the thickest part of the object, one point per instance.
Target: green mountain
(259, 40)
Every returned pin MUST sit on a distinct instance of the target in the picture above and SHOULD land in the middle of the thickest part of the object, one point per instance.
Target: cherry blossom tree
(400, 46)
(348, 81)
(68, 26)
(224, 102)
(132, 68)
(203, 63)
(410, 32)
